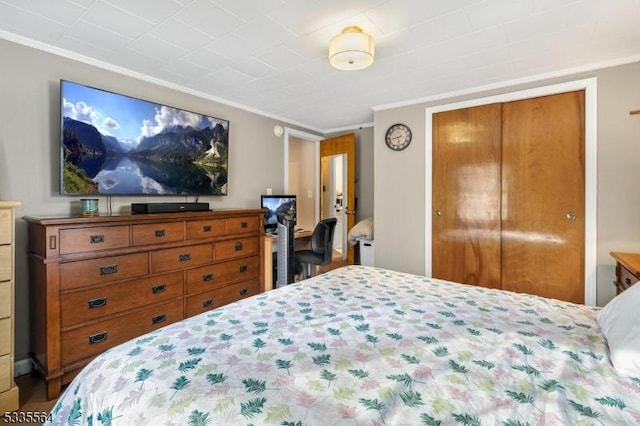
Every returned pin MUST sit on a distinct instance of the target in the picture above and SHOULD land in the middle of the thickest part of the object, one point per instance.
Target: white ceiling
(270, 56)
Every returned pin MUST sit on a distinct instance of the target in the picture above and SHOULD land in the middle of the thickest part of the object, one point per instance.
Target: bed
(366, 346)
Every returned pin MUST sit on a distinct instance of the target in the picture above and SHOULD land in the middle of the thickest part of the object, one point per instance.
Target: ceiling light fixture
(351, 50)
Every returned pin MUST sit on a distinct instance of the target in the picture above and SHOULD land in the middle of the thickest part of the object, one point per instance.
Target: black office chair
(321, 248)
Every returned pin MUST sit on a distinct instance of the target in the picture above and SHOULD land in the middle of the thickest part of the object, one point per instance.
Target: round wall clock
(398, 137)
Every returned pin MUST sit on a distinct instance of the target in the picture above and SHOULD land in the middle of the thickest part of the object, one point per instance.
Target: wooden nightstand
(627, 270)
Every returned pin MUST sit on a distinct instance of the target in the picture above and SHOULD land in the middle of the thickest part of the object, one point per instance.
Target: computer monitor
(277, 205)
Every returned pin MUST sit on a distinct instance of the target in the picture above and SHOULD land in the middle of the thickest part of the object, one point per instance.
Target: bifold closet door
(543, 185)
(466, 196)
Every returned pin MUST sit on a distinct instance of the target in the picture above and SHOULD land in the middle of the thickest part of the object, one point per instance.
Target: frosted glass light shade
(351, 50)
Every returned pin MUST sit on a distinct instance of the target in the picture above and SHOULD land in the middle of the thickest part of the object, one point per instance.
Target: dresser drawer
(236, 248)
(627, 278)
(5, 299)
(206, 228)
(212, 276)
(99, 301)
(6, 226)
(154, 233)
(242, 225)
(5, 336)
(93, 239)
(93, 339)
(6, 264)
(181, 257)
(212, 299)
(104, 270)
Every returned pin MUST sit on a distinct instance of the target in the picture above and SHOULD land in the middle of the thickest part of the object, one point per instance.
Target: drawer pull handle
(244, 268)
(238, 247)
(206, 228)
(243, 291)
(243, 224)
(207, 277)
(628, 281)
(207, 302)
(96, 239)
(108, 269)
(98, 337)
(159, 318)
(159, 232)
(97, 303)
(158, 288)
(185, 256)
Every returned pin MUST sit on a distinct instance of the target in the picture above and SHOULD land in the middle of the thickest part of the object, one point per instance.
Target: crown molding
(510, 83)
(139, 76)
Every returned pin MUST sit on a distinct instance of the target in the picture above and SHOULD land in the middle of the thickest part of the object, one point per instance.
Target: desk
(268, 250)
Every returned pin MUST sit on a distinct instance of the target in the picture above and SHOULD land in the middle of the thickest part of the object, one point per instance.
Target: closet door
(466, 196)
(543, 209)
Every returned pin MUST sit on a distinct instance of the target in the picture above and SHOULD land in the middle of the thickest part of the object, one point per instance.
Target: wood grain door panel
(543, 205)
(344, 144)
(466, 195)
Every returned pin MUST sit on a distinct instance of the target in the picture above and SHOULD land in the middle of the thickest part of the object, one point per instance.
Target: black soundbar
(148, 208)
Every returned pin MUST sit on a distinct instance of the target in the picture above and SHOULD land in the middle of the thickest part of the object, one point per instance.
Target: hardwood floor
(32, 396)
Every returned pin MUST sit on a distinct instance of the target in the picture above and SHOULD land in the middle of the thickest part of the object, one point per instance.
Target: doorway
(333, 185)
(328, 186)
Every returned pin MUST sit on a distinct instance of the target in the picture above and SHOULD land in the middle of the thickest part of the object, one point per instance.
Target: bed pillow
(361, 230)
(620, 324)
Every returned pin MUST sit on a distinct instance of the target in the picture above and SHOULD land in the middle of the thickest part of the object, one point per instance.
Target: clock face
(398, 137)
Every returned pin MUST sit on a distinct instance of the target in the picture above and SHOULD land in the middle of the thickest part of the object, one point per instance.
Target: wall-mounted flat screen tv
(113, 144)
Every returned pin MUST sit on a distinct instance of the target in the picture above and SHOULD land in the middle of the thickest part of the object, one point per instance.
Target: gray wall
(29, 147)
(399, 185)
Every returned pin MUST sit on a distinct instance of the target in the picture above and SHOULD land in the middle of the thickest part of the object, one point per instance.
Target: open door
(340, 202)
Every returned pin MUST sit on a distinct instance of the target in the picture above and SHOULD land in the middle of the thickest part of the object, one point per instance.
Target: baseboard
(22, 367)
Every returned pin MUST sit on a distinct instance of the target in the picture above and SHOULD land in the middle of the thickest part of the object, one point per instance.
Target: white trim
(316, 139)
(347, 128)
(591, 150)
(134, 74)
(511, 83)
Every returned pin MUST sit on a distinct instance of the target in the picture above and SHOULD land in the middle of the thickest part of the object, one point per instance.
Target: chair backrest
(322, 238)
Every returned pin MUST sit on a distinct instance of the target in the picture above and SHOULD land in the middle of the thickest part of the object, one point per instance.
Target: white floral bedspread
(363, 346)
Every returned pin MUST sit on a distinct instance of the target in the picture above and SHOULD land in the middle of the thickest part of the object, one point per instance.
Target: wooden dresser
(8, 389)
(627, 270)
(96, 282)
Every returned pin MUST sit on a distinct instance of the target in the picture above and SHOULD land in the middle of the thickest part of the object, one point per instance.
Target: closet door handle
(438, 213)
(570, 215)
